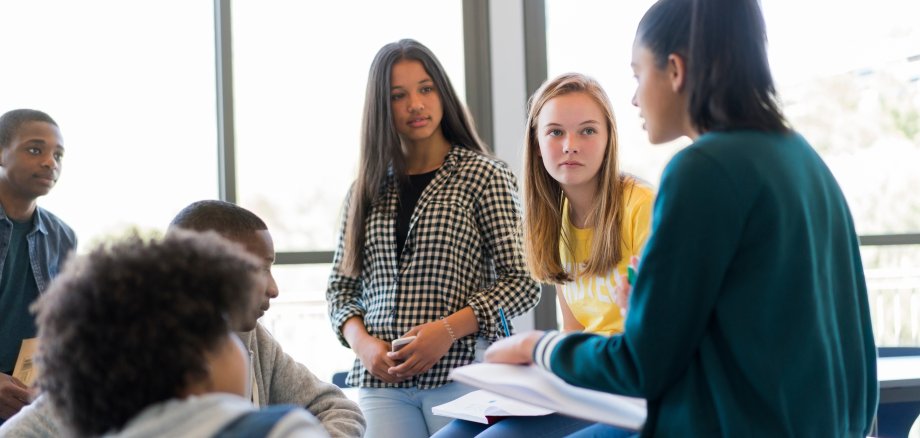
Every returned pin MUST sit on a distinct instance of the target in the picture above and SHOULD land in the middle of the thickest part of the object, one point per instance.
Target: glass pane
(300, 75)
(893, 277)
(599, 44)
(853, 91)
(135, 105)
(298, 320)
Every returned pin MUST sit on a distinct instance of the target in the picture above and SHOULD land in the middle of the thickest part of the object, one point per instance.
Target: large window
(135, 104)
(300, 75)
(853, 91)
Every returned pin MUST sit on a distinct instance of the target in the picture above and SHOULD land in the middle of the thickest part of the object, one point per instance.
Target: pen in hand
(501, 314)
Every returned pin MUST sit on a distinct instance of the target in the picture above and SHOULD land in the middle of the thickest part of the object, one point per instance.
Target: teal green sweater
(749, 316)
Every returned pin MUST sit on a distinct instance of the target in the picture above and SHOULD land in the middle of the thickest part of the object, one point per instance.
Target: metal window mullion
(226, 142)
(478, 65)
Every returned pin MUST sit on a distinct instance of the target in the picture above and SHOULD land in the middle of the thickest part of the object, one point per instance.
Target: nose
(50, 162)
(635, 101)
(271, 291)
(415, 104)
(569, 146)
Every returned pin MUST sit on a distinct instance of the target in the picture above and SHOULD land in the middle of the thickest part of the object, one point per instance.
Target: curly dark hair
(128, 324)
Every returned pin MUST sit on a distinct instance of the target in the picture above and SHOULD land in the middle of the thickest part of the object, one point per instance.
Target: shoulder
(261, 341)
(637, 192)
(34, 420)
(739, 146)
(474, 162)
(55, 225)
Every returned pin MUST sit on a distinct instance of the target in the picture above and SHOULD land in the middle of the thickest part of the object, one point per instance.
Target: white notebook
(486, 407)
(538, 387)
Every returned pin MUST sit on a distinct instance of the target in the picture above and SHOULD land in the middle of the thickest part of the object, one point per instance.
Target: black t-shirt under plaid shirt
(409, 192)
(463, 248)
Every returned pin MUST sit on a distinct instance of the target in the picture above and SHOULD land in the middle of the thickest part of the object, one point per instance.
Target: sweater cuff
(544, 349)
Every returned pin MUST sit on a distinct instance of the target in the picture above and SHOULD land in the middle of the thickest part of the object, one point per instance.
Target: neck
(581, 201)
(425, 155)
(16, 207)
(690, 131)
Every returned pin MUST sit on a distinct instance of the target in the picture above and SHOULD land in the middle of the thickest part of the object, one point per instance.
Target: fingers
(383, 375)
(400, 355)
(411, 368)
(503, 351)
(18, 382)
(12, 389)
(380, 370)
(414, 331)
(12, 398)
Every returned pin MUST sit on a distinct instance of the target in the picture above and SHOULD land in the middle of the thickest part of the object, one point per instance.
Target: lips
(46, 177)
(419, 122)
(570, 164)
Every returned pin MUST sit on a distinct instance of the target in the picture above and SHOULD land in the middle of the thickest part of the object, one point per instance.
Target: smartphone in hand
(401, 342)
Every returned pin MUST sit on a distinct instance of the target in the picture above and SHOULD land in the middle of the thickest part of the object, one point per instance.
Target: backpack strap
(255, 423)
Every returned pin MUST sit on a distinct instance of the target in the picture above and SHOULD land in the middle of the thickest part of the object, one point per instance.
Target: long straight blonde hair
(543, 196)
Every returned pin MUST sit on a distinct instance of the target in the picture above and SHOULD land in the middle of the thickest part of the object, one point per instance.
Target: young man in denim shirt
(33, 242)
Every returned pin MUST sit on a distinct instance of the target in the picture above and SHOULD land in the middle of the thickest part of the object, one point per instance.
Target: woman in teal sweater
(749, 316)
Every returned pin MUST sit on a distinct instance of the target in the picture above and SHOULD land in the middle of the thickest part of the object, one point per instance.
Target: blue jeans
(406, 412)
(544, 426)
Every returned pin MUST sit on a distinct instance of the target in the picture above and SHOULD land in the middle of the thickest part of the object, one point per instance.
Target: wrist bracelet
(450, 330)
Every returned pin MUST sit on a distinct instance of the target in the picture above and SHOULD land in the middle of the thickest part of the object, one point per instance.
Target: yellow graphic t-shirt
(591, 298)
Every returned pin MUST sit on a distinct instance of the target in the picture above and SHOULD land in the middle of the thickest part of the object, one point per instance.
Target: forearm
(354, 331)
(463, 322)
(340, 416)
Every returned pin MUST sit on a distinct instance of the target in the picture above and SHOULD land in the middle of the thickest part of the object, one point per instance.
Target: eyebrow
(42, 142)
(586, 122)
(395, 87)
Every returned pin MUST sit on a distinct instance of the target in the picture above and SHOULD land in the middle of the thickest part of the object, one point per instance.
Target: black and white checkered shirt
(463, 249)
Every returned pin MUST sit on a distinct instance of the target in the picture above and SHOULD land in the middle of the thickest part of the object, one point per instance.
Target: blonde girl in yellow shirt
(584, 219)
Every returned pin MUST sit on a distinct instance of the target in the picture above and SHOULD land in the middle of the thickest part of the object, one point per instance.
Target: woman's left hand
(432, 342)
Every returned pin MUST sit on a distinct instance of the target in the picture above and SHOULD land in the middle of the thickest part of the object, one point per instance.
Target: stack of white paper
(485, 407)
(541, 388)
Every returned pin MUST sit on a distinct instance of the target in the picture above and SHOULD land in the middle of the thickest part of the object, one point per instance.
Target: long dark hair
(723, 43)
(380, 144)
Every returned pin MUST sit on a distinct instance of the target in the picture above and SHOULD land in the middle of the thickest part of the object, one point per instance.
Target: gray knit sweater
(279, 378)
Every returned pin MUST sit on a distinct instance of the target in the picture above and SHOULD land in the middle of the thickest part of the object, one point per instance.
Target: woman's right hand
(372, 352)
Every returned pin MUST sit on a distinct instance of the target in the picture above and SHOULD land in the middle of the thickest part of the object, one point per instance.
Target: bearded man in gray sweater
(276, 377)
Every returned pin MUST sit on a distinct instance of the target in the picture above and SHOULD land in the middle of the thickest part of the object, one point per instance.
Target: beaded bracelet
(450, 330)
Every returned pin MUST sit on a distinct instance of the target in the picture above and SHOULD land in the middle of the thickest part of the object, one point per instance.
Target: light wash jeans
(406, 412)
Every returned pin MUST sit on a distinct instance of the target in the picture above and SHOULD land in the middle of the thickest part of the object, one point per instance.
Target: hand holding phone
(401, 342)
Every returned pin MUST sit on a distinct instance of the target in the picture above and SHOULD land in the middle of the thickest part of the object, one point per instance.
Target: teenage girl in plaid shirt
(430, 246)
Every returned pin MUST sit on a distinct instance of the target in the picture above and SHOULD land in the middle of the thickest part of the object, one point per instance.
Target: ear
(677, 72)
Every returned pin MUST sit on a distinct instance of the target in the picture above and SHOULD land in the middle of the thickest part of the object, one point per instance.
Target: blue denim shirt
(50, 242)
